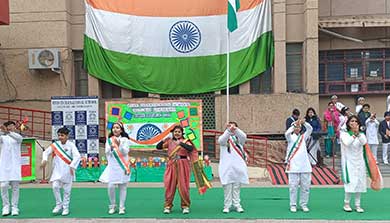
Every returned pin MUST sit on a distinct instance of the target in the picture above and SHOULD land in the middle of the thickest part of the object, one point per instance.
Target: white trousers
(122, 194)
(385, 146)
(232, 195)
(348, 196)
(15, 193)
(57, 185)
(374, 149)
(303, 180)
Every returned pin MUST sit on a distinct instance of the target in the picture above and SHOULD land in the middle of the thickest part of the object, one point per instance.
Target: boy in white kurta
(372, 126)
(298, 164)
(233, 170)
(352, 163)
(10, 166)
(117, 172)
(65, 162)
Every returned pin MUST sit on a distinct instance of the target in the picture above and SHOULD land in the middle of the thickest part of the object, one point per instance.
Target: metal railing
(39, 122)
(255, 146)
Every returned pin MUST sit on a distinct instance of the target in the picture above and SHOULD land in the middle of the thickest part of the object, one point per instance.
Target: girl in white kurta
(298, 164)
(117, 173)
(65, 162)
(352, 163)
(10, 166)
(233, 170)
(372, 126)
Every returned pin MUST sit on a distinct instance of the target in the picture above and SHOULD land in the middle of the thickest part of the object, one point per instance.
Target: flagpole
(227, 76)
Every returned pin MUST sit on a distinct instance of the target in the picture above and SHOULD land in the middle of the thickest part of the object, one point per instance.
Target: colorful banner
(81, 116)
(28, 159)
(147, 123)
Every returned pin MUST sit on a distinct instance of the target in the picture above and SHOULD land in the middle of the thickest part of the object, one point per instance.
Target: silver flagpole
(227, 77)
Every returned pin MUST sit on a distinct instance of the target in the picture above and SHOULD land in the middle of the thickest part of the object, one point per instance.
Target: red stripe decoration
(320, 175)
(332, 175)
(314, 179)
(281, 175)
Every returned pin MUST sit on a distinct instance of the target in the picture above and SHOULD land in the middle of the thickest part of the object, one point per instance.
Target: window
(81, 76)
(109, 90)
(232, 90)
(387, 71)
(139, 94)
(294, 67)
(321, 72)
(262, 84)
(354, 71)
(335, 72)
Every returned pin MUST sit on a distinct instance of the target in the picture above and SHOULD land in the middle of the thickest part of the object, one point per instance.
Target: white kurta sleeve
(107, 148)
(288, 133)
(75, 157)
(46, 153)
(16, 136)
(362, 139)
(346, 139)
(376, 123)
(241, 136)
(309, 130)
(223, 139)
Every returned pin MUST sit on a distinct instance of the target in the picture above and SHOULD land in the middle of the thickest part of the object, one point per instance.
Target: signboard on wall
(147, 123)
(28, 159)
(81, 116)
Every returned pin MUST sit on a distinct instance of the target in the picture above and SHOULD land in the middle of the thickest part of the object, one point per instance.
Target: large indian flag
(176, 46)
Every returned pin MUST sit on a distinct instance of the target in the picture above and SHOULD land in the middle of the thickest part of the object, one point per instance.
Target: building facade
(308, 63)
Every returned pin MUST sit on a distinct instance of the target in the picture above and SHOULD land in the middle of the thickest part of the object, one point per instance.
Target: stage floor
(259, 203)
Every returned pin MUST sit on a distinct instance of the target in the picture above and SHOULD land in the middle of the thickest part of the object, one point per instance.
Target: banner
(81, 116)
(28, 159)
(176, 46)
(148, 123)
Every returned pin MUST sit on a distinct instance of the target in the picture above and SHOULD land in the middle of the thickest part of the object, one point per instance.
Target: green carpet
(261, 203)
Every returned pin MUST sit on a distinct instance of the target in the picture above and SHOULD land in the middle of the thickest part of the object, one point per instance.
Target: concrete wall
(353, 7)
(35, 24)
(262, 113)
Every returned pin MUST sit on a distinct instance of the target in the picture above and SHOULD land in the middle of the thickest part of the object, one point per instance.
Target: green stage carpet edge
(259, 203)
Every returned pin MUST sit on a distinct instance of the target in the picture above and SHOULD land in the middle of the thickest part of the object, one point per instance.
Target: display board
(150, 122)
(81, 116)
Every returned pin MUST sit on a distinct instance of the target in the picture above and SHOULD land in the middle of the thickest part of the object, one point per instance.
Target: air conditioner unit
(48, 58)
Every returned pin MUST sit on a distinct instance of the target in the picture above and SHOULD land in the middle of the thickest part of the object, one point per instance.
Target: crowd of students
(342, 129)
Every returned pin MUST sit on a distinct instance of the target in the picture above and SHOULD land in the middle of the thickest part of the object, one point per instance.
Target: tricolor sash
(241, 151)
(119, 156)
(294, 149)
(60, 152)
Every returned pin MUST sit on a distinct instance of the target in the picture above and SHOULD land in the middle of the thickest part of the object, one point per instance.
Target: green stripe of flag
(194, 75)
